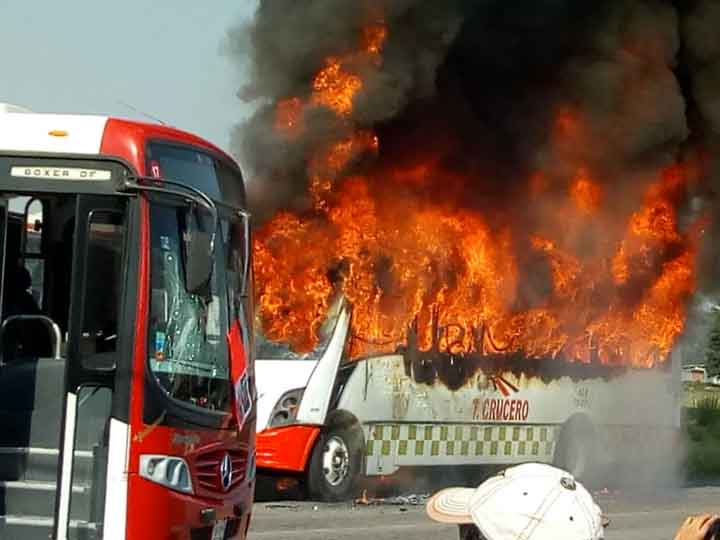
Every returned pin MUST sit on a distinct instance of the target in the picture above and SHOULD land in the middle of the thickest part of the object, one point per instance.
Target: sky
(163, 57)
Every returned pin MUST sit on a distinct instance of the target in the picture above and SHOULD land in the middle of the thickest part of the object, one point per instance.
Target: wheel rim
(336, 461)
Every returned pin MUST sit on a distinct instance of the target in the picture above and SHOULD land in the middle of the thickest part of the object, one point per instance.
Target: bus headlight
(285, 411)
(169, 471)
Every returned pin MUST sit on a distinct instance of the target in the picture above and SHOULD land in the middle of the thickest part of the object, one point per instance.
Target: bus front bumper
(286, 448)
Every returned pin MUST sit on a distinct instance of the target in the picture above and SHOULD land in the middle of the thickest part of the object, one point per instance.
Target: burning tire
(335, 464)
(576, 450)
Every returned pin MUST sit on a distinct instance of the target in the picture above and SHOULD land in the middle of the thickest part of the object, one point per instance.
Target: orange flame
(374, 37)
(288, 117)
(326, 166)
(426, 271)
(401, 264)
(294, 295)
(585, 193)
(335, 88)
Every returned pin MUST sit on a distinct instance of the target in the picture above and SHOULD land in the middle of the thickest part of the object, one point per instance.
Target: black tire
(335, 465)
(576, 451)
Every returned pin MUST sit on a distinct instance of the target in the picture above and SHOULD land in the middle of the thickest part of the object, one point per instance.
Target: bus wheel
(575, 451)
(335, 465)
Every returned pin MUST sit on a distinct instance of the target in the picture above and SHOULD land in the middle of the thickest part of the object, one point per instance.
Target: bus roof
(78, 134)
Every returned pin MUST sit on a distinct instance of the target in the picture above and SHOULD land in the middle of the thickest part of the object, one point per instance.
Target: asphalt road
(646, 517)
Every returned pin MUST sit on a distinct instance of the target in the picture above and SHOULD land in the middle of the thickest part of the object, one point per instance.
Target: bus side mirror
(199, 240)
(198, 262)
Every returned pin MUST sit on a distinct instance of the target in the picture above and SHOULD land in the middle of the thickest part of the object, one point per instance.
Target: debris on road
(400, 500)
(605, 492)
(287, 506)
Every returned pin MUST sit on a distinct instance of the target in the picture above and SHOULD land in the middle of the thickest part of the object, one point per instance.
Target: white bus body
(495, 417)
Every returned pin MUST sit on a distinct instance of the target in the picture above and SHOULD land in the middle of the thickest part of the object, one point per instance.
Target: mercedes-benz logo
(226, 472)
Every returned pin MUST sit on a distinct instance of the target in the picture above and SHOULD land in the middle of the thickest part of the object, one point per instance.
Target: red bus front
(126, 372)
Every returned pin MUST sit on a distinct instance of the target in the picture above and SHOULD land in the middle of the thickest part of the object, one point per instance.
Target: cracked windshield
(332, 269)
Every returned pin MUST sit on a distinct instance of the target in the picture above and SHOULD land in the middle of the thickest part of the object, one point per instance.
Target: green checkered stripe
(484, 440)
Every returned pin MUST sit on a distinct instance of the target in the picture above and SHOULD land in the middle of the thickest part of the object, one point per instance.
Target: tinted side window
(33, 247)
(187, 344)
(234, 242)
(184, 165)
(231, 185)
(236, 238)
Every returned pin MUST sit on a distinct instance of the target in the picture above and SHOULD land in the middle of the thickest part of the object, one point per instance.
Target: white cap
(527, 502)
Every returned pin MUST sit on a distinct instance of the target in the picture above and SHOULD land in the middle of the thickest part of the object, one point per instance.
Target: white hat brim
(450, 506)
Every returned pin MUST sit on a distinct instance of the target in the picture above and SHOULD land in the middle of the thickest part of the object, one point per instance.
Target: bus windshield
(188, 356)
(280, 350)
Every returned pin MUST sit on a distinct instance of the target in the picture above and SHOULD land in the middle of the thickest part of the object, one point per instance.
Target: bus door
(58, 366)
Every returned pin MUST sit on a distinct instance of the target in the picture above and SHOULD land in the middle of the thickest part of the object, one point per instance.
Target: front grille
(207, 469)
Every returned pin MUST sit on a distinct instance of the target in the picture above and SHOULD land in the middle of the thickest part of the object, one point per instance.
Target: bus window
(184, 165)
(231, 184)
(33, 226)
(234, 238)
(186, 338)
(24, 259)
(106, 237)
(32, 247)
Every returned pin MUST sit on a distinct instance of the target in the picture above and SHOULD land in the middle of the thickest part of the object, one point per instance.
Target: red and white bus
(126, 367)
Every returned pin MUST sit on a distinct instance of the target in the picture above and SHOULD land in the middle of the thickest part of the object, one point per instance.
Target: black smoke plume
(493, 70)
(480, 84)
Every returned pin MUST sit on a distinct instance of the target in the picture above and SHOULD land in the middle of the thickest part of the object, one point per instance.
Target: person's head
(531, 501)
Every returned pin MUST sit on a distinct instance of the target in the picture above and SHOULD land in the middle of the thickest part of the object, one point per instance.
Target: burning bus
(331, 419)
(483, 230)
